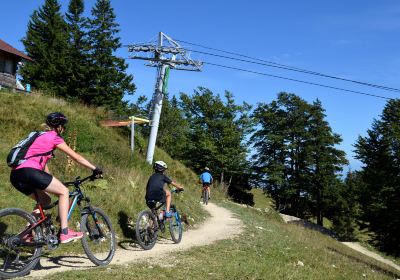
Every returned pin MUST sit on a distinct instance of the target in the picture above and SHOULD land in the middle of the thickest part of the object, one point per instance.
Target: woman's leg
(57, 188)
(41, 197)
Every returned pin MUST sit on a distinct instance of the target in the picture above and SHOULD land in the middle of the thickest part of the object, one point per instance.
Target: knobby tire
(99, 249)
(175, 227)
(8, 217)
(146, 229)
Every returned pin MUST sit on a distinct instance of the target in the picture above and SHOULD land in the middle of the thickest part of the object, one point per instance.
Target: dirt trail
(221, 225)
(365, 251)
(353, 245)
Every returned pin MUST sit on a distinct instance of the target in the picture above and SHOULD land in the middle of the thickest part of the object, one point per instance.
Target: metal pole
(161, 79)
(159, 95)
(157, 106)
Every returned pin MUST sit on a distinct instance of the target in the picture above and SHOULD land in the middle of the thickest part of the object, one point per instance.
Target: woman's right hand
(97, 172)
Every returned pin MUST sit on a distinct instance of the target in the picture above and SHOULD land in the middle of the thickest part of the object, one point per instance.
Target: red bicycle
(22, 236)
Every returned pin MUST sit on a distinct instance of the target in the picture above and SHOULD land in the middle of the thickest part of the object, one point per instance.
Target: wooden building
(9, 58)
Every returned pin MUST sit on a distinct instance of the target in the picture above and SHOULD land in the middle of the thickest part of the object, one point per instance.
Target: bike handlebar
(176, 190)
(79, 181)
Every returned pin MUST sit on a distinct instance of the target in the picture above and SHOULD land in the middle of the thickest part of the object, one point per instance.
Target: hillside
(121, 193)
(266, 249)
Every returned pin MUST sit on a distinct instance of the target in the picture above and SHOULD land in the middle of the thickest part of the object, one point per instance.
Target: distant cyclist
(33, 176)
(206, 180)
(156, 190)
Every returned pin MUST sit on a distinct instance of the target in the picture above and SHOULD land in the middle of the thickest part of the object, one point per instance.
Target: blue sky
(353, 39)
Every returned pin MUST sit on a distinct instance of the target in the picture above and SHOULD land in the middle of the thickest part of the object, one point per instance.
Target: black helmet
(55, 119)
(160, 166)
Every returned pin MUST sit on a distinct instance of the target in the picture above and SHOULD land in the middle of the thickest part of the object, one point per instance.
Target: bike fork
(96, 222)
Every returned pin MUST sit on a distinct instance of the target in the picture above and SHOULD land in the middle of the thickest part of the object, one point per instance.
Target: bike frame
(77, 197)
(172, 207)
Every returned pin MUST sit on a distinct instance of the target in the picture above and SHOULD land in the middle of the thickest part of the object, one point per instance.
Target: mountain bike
(205, 194)
(150, 222)
(22, 236)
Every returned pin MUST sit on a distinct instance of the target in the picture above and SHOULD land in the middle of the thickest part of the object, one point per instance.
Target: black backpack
(17, 154)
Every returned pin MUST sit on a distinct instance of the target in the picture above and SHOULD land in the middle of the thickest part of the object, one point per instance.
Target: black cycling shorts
(27, 180)
(206, 185)
(153, 203)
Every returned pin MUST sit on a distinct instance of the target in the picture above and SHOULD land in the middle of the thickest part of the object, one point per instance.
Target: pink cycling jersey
(43, 144)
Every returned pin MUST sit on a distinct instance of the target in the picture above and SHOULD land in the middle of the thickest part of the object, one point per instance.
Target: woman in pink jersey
(32, 176)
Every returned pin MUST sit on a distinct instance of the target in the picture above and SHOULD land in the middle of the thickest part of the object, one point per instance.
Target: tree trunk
(319, 210)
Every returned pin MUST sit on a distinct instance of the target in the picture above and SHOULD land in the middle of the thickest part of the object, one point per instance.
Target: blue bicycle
(151, 221)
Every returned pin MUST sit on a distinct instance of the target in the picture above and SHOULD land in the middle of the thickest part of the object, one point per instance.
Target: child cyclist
(32, 177)
(155, 189)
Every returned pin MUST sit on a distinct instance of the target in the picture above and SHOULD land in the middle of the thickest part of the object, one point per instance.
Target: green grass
(122, 192)
(271, 252)
(268, 249)
(261, 200)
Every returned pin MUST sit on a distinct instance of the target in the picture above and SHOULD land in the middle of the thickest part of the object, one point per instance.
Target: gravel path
(353, 245)
(221, 225)
(365, 251)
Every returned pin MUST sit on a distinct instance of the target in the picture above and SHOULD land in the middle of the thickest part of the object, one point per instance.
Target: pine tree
(295, 157)
(173, 133)
(344, 207)
(280, 158)
(379, 151)
(46, 42)
(270, 154)
(325, 160)
(217, 132)
(78, 50)
(109, 82)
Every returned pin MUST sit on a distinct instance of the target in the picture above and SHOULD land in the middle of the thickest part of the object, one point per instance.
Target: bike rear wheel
(175, 226)
(17, 259)
(98, 237)
(146, 229)
(205, 196)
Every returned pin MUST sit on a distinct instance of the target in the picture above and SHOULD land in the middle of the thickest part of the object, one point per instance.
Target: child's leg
(168, 199)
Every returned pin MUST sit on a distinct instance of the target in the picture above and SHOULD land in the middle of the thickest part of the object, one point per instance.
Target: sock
(64, 231)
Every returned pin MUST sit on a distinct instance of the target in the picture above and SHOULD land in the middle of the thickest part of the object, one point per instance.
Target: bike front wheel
(175, 227)
(18, 254)
(98, 237)
(146, 229)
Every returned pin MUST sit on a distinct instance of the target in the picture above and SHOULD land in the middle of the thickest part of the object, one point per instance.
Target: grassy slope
(261, 200)
(121, 194)
(268, 249)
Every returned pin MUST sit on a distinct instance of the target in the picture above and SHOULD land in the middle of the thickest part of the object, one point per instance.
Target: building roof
(9, 49)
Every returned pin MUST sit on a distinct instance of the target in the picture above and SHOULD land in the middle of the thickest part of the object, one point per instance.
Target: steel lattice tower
(165, 55)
